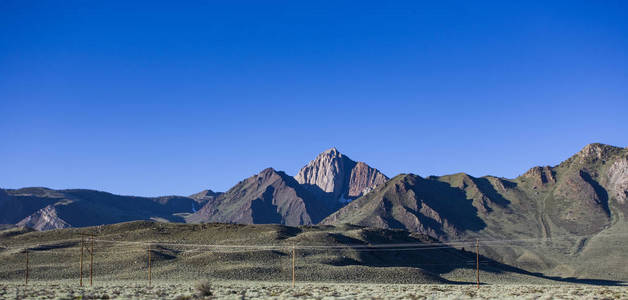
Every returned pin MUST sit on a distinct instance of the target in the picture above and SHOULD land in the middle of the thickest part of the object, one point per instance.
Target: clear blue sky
(161, 98)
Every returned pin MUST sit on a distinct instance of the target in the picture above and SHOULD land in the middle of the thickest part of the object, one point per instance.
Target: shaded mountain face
(270, 197)
(578, 205)
(336, 178)
(44, 209)
(16, 205)
(407, 201)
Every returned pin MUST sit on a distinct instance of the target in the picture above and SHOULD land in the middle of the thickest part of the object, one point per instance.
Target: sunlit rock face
(339, 177)
(618, 180)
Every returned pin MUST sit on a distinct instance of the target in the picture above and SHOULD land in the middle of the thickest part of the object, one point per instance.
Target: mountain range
(564, 220)
(271, 197)
(572, 211)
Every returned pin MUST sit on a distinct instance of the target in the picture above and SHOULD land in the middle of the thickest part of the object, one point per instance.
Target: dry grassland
(265, 290)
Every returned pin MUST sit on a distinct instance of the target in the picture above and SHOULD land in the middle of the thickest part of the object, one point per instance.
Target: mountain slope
(323, 254)
(336, 178)
(413, 203)
(45, 209)
(16, 205)
(578, 206)
(270, 197)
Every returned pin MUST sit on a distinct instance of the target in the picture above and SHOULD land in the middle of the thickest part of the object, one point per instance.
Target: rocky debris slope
(540, 176)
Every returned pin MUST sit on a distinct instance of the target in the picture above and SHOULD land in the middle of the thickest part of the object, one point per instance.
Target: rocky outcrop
(540, 176)
(337, 177)
(594, 152)
(618, 180)
(44, 219)
(363, 179)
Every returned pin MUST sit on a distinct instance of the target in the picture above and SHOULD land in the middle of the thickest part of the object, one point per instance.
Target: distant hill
(579, 206)
(44, 209)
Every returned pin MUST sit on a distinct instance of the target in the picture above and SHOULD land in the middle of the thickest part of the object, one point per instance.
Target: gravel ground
(260, 290)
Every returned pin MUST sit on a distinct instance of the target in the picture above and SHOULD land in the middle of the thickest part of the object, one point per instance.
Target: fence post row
(90, 249)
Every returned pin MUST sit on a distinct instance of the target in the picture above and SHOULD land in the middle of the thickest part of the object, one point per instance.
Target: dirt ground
(261, 290)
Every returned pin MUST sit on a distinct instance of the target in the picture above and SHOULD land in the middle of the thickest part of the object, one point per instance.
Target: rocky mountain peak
(331, 151)
(337, 176)
(267, 172)
(596, 151)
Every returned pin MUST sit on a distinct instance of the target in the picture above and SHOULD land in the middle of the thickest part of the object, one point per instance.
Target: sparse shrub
(204, 288)
(470, 294)
(183, 297)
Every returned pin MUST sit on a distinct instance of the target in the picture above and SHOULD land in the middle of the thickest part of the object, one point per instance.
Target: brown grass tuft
(204, 288)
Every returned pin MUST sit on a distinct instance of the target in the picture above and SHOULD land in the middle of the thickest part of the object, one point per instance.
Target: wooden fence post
(82, 244)
(91, 263)
(26, 280)
(477, 261)
(293, 263)
(149, 269)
